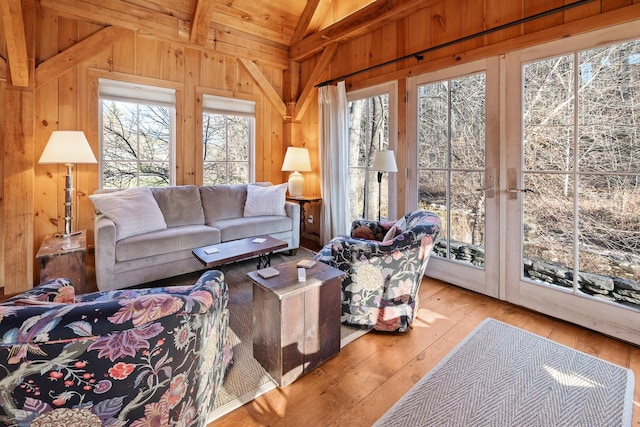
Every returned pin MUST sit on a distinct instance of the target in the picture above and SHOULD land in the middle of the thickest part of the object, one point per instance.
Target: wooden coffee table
(296, 325)
(237, 250)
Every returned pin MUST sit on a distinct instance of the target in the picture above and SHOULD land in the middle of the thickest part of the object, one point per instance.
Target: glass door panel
(574, 189)
(456, 175)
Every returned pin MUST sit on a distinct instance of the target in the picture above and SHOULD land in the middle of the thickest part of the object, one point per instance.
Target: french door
(532, 161)
(457, 134)
(572, 180)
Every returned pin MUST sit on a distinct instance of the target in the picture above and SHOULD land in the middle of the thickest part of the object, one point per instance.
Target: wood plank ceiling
(274, 32)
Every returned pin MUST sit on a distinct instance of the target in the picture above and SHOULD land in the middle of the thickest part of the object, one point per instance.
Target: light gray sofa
(194, 217)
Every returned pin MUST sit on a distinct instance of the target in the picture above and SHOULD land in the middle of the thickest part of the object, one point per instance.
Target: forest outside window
(371, 113)
(138, 135)
(228, 140)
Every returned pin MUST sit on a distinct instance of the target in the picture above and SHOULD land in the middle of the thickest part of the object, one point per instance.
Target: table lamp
(296, 159)
(383, 161)
(67, 147)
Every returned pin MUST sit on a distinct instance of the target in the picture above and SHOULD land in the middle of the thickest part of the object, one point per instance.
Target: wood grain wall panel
(472, 13)
(587, 9)
(148, 54)
(360, 49)
(445, 26)
(499, 12)
(173, 62)
(531, 7)
(615, 4)
(190, 159)
(418, 32)
(231, 75)
(87, 175)
(122, 58)
(46, 193)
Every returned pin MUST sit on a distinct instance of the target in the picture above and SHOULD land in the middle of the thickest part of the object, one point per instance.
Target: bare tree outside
(581, 124)
(225, 141)
(581, 159)
(451, 161)
(368, 133)
(136, 144)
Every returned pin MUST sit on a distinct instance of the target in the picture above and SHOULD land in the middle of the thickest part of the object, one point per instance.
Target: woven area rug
(503, 376)
(247, 379)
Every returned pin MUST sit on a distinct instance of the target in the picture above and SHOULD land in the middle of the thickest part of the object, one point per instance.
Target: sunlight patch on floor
(427, 317)
(571, 379)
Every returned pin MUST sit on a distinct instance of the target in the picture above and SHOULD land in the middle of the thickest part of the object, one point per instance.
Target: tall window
(138, 135)
(369, 131)
(582, 163)
(451, 163)
(228, 138)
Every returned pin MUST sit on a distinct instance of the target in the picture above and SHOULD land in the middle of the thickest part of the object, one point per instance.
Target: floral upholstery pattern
(383, 278)
(135, 357)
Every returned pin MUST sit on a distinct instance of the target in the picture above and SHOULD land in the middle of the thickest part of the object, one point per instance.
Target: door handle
(520, 190)
(512, 179)
(489, 183)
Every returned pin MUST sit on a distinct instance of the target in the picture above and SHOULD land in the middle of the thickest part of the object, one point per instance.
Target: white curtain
(334, 162)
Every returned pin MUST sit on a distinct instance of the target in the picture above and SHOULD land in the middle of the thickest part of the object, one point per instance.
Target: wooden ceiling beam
(56, 66)
(15, 39)
(322, 64)
(361, 22)
(266, 87)
(304, 21)
(168, 28)
(202, 14)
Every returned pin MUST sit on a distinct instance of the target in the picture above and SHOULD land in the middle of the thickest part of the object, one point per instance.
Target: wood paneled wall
(32, 195)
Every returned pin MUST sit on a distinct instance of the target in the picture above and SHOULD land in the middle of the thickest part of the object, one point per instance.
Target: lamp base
(296, 184)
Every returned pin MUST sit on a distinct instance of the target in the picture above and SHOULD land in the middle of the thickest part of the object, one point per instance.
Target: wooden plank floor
(369, 375)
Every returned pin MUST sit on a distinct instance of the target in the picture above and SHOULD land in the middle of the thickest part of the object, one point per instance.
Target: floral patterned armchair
(132, 357)
(384, 262)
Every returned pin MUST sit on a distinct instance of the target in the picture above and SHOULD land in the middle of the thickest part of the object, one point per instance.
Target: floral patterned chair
(134, 357)
(384, 262)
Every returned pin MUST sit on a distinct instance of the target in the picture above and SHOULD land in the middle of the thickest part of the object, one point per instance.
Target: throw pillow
(134, 211)
(265, 200)
(391, 233)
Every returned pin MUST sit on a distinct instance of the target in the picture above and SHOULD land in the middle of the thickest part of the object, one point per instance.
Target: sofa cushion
(223, 201)
(180, 205)
(134, 211)
(265, 200)
(170, 240)
(240, 228)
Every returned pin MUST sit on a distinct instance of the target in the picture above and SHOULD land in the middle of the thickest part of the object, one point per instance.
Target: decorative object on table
(296, 160)
(385, 263)
(383, 161)
(129, 357)
(500, 375)
(67, 147)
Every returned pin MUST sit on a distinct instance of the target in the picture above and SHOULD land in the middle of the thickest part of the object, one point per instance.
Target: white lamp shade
(67, 146)
(384, 161)
(296, 159)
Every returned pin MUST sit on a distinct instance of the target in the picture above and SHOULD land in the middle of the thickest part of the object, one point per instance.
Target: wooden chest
(296, 325)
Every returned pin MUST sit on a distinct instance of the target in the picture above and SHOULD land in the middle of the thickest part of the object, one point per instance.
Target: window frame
(137, 93)
(228, 106)
(391, 89)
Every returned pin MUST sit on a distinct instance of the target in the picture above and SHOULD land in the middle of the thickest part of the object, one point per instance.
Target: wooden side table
(64, 257)
(296, 325)
(302, 200)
